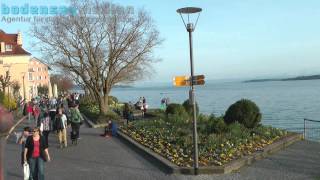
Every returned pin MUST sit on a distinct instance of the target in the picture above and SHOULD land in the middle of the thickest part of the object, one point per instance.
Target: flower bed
(172, 139)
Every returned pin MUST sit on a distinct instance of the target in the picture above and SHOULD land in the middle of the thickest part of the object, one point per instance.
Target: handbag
(26, 171)
(41, 127)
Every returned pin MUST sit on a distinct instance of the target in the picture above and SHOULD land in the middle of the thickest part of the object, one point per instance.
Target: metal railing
(311, 129)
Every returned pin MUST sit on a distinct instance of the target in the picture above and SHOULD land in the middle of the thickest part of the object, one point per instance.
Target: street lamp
(190, 28)
(24, 88)
(7, 67)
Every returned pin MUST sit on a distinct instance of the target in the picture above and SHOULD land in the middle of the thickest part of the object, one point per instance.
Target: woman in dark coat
(35, 153)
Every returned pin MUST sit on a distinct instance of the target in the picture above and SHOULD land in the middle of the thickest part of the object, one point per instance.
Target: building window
(30, 76)
(39, 77)
(8, 47)
(39, 69)
(45, 77)
(1, 61)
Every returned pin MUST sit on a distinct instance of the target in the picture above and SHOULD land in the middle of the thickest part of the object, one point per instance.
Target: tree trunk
(103, 104)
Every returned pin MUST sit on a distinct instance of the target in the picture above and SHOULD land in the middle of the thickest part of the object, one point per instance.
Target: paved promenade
(98, 158)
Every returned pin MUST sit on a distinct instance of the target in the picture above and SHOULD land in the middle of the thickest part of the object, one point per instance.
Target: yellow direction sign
(198, 80)
(181, 81)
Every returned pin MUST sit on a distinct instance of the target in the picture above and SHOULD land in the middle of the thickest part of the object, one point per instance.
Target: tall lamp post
(190, 28)
(8, 66)
(24, 88)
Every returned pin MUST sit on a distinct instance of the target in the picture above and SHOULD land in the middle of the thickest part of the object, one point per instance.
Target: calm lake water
(283, 104)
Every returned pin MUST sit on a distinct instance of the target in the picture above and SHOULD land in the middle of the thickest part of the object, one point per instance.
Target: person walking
(22, 140)
(145, 106)
(46, 126)
(76, 120)
(61, 126)
(35, 153)
(29, 112)
(126, 112)
(36, 114)
(163, 105)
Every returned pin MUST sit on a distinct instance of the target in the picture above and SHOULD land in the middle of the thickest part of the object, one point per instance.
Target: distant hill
(122, 86)
(76, 87)
(298, 78)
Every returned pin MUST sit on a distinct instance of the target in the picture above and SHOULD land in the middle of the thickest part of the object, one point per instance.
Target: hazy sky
(233, 39)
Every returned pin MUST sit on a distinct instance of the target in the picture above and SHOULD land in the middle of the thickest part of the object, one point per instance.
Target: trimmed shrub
(87, 100)
(174, 108)
(245, 112)
(219, 126)
(9, 103)
(210, 125)
(238, 130)
(111, 115)
(112, 100)
(176, 114)
(189, 108)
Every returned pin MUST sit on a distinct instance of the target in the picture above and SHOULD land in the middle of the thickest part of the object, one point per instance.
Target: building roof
(40, 61)
(12, 39)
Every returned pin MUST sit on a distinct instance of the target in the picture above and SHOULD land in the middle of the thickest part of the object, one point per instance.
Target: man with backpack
(76, 120)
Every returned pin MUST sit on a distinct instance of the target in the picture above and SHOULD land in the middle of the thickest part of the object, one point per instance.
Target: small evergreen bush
(112, 100)
(189, 107)
(111, 115)
(245, 112)
(238, 130)
(8, 103)
(176, 114)
(211, 125)
(174, 108)
(219, 126)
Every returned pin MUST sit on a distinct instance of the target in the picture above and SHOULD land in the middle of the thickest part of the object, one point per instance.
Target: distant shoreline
(122, 86)
(298, 78)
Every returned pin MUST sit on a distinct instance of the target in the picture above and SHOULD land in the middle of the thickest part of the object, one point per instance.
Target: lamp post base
(196, 171)
(2, 147)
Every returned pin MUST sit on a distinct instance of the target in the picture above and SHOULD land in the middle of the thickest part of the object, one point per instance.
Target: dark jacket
(29, 146)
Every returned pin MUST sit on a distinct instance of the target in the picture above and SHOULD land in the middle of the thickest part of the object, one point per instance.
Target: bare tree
(16, 87)
(64, 83)
(5, 81)
(103, 44)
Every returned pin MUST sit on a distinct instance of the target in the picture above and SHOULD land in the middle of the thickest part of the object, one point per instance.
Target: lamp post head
(188, 11)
